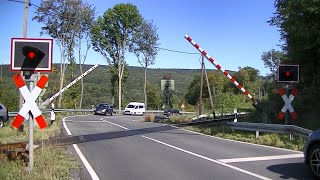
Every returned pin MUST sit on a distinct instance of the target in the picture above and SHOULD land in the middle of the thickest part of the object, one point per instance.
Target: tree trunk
(145, 87)
(80, 67)
(62, 61)
(119, 87)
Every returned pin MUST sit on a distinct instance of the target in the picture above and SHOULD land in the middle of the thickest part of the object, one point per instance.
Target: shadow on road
(108, 135)
(292, 171)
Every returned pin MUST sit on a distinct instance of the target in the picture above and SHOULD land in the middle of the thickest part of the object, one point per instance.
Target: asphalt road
(122, 147)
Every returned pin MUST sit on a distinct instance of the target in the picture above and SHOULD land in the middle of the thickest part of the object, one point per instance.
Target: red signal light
(287, 73)
(31, 55)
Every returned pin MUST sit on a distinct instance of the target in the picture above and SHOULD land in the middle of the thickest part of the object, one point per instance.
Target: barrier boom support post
(232, 79)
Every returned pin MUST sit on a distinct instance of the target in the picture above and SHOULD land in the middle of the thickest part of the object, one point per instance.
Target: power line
(30, 4)
(182, 52)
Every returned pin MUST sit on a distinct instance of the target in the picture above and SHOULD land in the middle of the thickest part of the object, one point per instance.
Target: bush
(149, 118)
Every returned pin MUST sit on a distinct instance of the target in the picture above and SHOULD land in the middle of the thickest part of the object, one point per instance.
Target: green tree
(298, 21)
(271, 60)
(249, 78)
(64, 21)
(154, 96)
(145, 48)
(299, 25)
(112, 35)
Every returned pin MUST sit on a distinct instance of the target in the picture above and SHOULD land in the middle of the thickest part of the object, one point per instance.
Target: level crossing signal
(288, 73)
(30, 54)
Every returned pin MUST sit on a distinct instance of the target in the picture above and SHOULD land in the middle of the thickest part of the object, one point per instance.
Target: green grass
(269, 139)
(10, 135)
(50, 163)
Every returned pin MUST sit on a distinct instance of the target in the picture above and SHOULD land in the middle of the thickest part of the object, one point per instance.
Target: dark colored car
(311, 152)
(104, 109)
(3, 114)
(170, 112)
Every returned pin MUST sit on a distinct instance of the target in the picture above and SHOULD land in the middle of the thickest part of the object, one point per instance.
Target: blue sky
(235, 33)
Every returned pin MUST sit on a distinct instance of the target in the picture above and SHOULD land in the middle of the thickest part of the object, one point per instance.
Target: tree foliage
(249, 78)
(272, 59)
(298, 21)
(112, 35)
(299, 26)
(225, 95)
(65, 21)
(145, 48)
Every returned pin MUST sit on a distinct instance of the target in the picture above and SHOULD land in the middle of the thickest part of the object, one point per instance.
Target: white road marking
(261, 158)
(209, 159)
(116, 124)
(92, 173)
(84, 121)
(237, 141)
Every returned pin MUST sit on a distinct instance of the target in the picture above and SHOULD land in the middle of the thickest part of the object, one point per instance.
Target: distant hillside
(98, 82)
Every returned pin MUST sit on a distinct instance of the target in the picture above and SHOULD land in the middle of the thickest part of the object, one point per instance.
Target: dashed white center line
(116, 125)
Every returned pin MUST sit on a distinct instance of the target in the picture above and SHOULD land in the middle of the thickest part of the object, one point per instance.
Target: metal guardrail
(257, 127)
(274, 128)
(207, 122)
(87, 111)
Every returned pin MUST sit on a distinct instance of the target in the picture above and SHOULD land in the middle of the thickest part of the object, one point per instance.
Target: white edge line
(261, 158)
(238, 141)
(92, 173)
(209, 159)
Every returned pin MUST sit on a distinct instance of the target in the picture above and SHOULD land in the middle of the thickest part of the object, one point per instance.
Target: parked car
(170, 112)
(311, 152)
(103, 109)
(3, 114)
(135, 108)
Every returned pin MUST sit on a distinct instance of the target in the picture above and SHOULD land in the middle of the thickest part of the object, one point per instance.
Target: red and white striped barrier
(287, 105)
(30, 99)
(244, 91)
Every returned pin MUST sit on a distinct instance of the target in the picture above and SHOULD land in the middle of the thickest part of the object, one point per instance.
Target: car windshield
(130, 106)
(102, 105)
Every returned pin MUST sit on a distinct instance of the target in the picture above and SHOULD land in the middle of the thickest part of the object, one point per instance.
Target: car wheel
(314, 160)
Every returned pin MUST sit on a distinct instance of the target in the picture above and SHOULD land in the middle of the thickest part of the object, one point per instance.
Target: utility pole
(201, 86)
(24, 35)
(209, 89)
(31, 124)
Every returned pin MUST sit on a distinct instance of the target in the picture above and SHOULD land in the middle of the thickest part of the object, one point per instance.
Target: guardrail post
(235, 115)
(291, 137)
(257, 134)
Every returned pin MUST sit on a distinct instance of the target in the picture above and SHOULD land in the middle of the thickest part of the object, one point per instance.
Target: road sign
(168, 83)
(31, 54)
(287, 105)
(30, 99)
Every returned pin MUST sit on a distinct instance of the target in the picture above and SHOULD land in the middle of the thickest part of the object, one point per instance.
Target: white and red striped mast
(215, 63)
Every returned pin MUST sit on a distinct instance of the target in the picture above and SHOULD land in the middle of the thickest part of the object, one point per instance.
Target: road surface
(122, 147)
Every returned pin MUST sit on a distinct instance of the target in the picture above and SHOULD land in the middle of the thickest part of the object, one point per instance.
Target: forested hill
(97, 86)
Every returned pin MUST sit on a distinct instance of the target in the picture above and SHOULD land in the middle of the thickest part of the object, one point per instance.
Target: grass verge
(50, 163)
(269, 139)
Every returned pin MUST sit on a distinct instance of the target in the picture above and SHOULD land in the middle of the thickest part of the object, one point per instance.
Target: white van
(135, 108)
